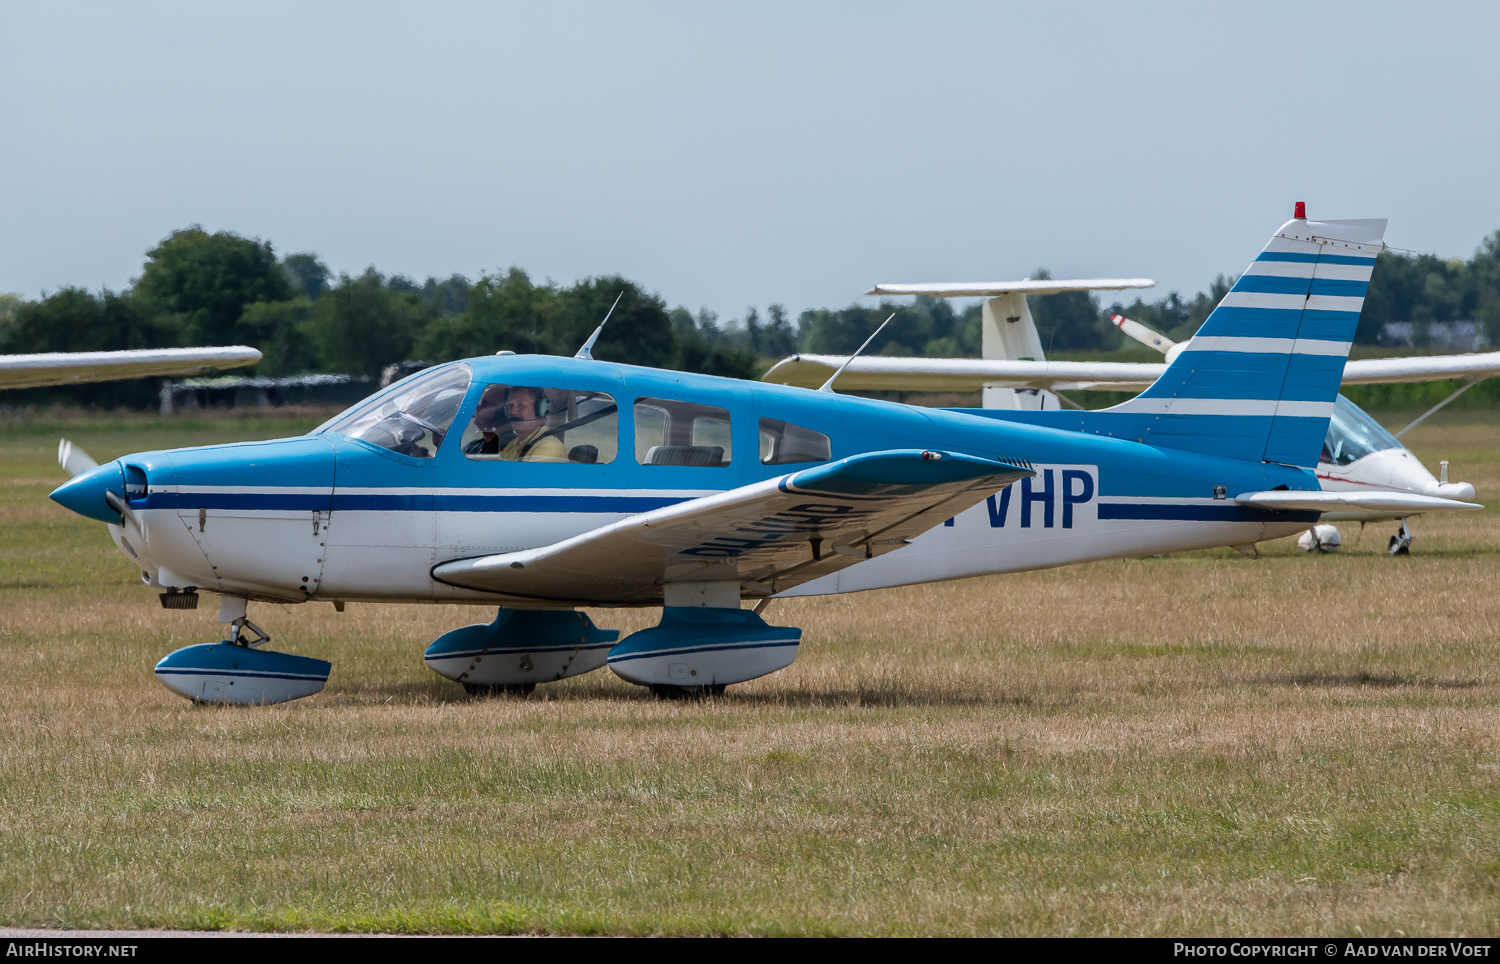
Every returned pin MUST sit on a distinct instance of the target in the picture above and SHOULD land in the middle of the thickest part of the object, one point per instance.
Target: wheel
(1399, 547)
(662, 691)
(498, 689)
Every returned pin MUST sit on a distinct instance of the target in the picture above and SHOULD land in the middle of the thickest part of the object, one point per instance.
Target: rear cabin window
(669, 432)
(529, 423)
(782, 443)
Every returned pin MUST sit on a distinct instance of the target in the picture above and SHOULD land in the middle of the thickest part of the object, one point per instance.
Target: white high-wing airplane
(1013, 373)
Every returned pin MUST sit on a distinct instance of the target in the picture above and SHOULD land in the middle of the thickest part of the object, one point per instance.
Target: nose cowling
(84, 494)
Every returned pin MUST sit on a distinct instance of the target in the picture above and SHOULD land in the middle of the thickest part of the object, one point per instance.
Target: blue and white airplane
(541, 484)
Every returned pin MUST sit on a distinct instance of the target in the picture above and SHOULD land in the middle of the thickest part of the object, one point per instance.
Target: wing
(63, 368)
(991, 289)
(879, 372)
(1418, 368)
(1401, 502)
(768, 536)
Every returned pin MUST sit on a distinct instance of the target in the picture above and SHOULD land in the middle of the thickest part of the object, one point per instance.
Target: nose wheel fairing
(223, 672)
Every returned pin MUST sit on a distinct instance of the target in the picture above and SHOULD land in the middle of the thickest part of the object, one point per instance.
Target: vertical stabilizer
(1007, 330)
(1259, 379)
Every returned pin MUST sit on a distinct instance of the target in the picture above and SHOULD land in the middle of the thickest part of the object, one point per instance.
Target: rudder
(1259, 379)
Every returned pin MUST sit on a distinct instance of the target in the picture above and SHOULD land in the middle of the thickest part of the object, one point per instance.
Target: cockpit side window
(672, 432)
(1353, 434)
(782, 443)
(411, 417)
(526, 423)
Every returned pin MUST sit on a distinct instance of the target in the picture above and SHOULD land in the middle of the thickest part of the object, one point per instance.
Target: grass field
(1199, 744)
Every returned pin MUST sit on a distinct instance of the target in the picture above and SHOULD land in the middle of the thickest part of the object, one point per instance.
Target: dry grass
(1196, 744)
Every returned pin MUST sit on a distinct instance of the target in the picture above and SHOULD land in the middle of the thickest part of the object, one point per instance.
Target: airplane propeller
(74, 460)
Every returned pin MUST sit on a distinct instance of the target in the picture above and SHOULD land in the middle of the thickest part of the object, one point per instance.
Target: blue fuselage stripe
(268, 501)
(1200, 513)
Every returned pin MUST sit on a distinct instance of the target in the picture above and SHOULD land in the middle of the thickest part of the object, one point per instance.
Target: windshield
(1353, 434)
(412, 416)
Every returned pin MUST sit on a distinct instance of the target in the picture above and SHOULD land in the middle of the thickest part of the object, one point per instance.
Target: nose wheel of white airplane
(1400, 544)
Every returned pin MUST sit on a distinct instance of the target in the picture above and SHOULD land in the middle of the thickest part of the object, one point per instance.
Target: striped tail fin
(1259, 379)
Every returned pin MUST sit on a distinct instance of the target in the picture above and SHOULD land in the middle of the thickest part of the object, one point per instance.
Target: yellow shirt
(549, 449)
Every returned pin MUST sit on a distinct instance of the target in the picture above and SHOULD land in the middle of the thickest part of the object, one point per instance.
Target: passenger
(528, 409)
(489, 418)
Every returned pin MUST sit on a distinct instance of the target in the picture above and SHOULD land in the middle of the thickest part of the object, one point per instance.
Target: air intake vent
(179, 600)
(135, 483)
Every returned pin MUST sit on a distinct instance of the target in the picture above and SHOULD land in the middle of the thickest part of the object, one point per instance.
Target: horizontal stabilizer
(993, 289)
(1395, 502)
(765, 537)
(66, 368)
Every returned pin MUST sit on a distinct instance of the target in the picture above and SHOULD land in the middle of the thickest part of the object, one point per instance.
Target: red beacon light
(1300, 211)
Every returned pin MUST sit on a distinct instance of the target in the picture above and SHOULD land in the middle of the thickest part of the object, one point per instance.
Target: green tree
(306, 273)
(359, 325)
(503, 313)
(208, 279)
(279, 330)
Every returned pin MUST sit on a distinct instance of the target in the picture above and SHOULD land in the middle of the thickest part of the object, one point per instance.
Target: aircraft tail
(1259, 379)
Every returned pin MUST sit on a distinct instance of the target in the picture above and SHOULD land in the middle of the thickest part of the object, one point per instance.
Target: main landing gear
(1400, 544)
(236, 671)
(693, 653)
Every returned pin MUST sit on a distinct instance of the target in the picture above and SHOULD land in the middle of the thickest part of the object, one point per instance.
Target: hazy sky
(732, 155)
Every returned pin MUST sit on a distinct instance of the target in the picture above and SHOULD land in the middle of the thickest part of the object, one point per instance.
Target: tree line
(202, 288)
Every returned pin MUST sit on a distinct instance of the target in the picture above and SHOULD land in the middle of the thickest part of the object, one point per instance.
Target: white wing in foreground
(767, 536)
(65, 368)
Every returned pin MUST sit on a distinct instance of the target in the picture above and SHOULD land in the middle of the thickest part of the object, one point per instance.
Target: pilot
(528, 409)
(489, 418)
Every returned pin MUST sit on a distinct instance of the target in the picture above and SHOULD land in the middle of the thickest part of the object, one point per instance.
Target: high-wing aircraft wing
(770, 535)
(994, 289)
(64, 368)
(882, 373)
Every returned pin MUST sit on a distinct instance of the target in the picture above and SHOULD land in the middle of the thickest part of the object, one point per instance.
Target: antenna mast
(828, 385)
(587, 351)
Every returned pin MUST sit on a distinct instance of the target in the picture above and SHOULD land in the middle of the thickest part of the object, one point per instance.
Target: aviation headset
(541, 405)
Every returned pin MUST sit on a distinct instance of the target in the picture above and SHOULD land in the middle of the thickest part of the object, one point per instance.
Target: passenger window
(669, 432)
(782, 443)
(526, 423)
